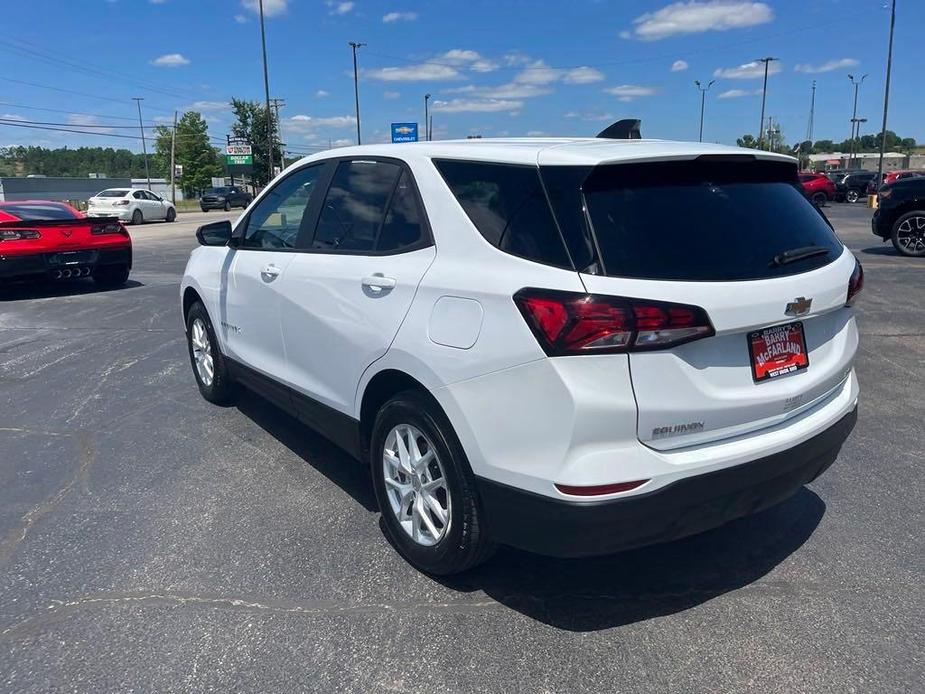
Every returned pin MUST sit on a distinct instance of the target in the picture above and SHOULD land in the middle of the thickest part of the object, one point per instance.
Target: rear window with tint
(703, 220)
(508, 206)
(114, 193)
(38, 212)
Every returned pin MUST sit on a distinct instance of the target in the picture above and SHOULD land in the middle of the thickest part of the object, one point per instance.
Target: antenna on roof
(626, 129)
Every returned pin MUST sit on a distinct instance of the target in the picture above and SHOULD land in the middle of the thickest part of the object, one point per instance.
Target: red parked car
(891, 176)
(817, 187)
(40, 239)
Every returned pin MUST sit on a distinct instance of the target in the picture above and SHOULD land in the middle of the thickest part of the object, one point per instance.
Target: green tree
(823, 146)
(199, 159)
(747, 141)
(251, 125)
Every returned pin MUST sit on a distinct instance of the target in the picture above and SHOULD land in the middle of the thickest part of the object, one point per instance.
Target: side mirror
(214, 234)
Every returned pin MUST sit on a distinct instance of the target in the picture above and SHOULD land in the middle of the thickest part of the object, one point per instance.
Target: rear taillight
(855, 283)
(108, 228)
(18, 234)
(122, 202)
(600, 489)
(571, 323)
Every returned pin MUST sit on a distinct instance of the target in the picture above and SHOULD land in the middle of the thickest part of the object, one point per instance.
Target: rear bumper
(45, 265)
(690, 505)
(880, 224)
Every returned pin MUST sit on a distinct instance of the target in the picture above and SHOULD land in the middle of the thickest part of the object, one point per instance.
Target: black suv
(900, 216)
(224, 198)
(853, 185)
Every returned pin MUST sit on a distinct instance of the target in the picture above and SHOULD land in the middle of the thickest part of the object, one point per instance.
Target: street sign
(404, 132)
(238, 150)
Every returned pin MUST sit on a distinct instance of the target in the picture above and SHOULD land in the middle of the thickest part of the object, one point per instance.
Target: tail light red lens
(109, 228)
(855, 283)
(600, 489)
(572, 323)
(19, 234)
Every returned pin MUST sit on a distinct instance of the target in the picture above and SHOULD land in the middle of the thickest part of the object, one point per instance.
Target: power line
(58, 110)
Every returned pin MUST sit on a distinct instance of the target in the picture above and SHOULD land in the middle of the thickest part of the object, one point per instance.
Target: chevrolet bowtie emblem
(799, 306)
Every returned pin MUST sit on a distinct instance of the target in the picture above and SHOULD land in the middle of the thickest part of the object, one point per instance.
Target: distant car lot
(151, 541)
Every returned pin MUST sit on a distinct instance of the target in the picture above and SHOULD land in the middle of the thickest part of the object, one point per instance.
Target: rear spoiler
(80, 221)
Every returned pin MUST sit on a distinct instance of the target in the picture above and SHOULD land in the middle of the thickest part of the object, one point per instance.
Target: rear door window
(704, 220)
(508, 205)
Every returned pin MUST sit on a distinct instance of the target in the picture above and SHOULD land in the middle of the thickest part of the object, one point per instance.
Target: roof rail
(626, 129)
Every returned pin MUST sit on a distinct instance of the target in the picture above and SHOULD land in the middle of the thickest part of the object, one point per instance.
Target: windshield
(218, 191)
(37, 212)
(704, 221)
(112, 193)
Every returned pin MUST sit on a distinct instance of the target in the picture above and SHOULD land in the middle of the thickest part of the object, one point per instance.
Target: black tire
(820, 199)
(111, 275)
(171, 215)
(852, 195)
(226, 206)
(908, 235)
(466, 541)
(138, 217)
(222, 389)
(204, 209)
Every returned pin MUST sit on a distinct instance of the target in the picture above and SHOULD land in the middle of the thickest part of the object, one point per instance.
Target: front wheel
(853, 196)
(226, 206)
(909, 234)
(171, 214)
(425, 489)
(208, 363)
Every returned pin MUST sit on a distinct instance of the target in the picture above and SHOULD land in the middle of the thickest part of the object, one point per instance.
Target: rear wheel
(909, 234)
(206, 358)
(425, 489)
(226, 206)
(820, 198)
(111, 275)
(171, 214)
(853, 195)
(137, 217)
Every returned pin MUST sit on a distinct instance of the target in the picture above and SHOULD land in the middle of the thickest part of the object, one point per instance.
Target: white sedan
(130, 205)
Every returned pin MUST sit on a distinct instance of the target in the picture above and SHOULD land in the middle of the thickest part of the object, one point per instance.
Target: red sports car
(51, 240)
(817, 187)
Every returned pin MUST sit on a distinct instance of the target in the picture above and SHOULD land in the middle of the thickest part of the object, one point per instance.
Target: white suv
(572, 346)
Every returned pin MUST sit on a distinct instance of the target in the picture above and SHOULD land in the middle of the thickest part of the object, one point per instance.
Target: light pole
(854, 117)
(266, 94)
(764, 95)
(703, 97)
(426, 119)
(886, 94)
(356, 85)
(144, 147)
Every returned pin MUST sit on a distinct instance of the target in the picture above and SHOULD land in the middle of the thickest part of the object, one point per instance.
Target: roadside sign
(239, 159)
(218, 182)
(177, 170)
(238, 150)
(404, 132)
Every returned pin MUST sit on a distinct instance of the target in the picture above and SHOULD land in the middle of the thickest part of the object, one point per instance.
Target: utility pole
(173, 161)
(426, 118)
(703, 97)
(144, 147)
(764, 95)
(854, 118)
(430, 128)
(266, 89)
(356, 85)
(886, 94)
(812, 114)
(277, 103)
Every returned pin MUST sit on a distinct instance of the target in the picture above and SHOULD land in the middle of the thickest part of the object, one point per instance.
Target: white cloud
(399, 17)
(241, 19)
(747, 71)
(321, 94)
(461, 57)
(302, 122)
(679, 66)
(208, 106)
(583, 75)
(477, 105)
(12, 116)
(592, 116)
(511, 90)
(698, 16)
(536, 133)
(827, 66)
(538, 72)
(419, 72)
(343, 142)
(734, 94)
(391, 94)
(271, 8)
(339, 7)
(629, 92)
(170, 60)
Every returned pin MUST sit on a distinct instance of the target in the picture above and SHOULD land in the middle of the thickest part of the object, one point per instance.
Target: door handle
(378, 282)
(270, 273)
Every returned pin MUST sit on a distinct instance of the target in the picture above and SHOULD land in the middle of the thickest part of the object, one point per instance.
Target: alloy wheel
(911, 235)
(416, 485)
(202, 352)
(852, 196)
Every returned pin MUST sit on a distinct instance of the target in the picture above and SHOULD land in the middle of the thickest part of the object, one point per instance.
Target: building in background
(74, 189)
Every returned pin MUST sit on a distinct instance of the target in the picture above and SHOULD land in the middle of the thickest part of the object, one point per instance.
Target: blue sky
(498, 68)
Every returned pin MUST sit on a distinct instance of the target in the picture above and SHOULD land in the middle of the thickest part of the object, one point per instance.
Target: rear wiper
(795, 254)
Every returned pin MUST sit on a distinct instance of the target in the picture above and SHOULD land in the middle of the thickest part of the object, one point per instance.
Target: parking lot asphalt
(150, 541)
